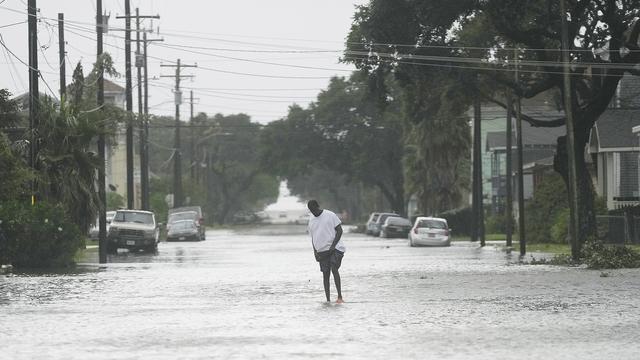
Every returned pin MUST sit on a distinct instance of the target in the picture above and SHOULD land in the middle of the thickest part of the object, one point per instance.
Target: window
(432, 224)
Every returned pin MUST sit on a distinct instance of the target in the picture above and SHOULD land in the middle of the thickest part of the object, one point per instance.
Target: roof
(430, 218)
(110, 86)
(613, 131)
(628, 91)
(531, 136)
(539, 163)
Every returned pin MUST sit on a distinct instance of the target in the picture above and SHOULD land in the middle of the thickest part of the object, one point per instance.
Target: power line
(395, 58)
(28, 66)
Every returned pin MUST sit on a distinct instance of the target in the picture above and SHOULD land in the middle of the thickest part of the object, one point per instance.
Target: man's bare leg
(325, 277)
(336, 278)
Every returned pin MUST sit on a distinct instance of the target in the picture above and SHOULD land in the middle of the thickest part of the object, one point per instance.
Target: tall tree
(67, 163)
(345, 132)
(434, 98)
(470, 43)
(237, 180)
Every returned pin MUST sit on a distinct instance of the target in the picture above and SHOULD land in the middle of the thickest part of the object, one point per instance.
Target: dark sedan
(183, 230)
(395, 227)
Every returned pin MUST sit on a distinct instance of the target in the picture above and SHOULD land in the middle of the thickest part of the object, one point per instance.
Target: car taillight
(415, 231)
(201, 221)
(446, 232)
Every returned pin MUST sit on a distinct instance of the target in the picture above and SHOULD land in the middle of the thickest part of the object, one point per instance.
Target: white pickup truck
(133, 230)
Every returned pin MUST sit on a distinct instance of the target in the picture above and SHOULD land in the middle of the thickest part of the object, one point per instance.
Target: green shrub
(597, 255)
(541, 212)
(40, 236)
(497, 224)
(115, 201)
(459, 220)
(560, 228)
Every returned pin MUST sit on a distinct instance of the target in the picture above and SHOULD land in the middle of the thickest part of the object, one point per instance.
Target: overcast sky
(208, 33)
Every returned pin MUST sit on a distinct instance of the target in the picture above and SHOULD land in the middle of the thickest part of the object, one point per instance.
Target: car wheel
(151, 248)
(112, 249)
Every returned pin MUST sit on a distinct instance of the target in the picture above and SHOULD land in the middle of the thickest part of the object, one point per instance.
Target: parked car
(197, 209)
(133, 230)
(430, 231)
(94, 231)
(377, 225)
(183, 230)
(395, 227)
(192, 215)
(371, 223)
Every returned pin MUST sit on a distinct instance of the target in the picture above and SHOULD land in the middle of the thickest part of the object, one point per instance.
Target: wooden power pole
(102, 193)
(574, 229)
(61, 53)
(141, 62)
(508, 212)
(519, 143)
(34, 92)
(177, 163)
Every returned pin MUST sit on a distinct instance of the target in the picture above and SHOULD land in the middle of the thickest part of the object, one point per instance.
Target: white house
(615, 149)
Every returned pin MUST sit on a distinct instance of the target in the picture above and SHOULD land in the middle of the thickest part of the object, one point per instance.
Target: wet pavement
(258, 294)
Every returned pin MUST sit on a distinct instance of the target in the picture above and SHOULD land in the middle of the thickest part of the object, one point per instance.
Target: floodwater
(258, 294)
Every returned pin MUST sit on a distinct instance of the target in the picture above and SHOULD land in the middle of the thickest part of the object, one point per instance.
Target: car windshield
(136, 217)
(385, 216)
(398, 221)
(188, 215)
(432, 224)
(183, 225)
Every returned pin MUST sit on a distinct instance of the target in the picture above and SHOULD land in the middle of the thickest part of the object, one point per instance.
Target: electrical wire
(28, 66)
(17, 23)
(395, 58)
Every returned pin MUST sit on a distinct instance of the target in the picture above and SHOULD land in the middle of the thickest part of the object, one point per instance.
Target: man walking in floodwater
(326, 232)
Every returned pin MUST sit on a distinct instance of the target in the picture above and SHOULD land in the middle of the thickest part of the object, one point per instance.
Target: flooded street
(258, 294)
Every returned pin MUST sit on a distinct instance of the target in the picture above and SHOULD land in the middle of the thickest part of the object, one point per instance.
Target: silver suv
(133, 230)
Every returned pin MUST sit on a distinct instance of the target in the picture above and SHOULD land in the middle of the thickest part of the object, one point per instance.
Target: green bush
(560, 228)
(40, 236)
(459, 220)
(497, 224)
(115, 201)
(549, 199)
(597, 255)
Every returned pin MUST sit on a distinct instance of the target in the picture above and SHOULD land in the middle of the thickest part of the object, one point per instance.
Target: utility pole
(102, 193)
(192, 145)
(519, 143)
(129, 137)
(177, 164)
(129, 98)
(144, 203)
(509, 203)
(574, 229)
(144, 159)
(141, 61)
(61, 51)
(474, 179)
(477, 135)
(34, 92)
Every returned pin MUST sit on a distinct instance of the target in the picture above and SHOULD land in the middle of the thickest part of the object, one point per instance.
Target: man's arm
(337, 238)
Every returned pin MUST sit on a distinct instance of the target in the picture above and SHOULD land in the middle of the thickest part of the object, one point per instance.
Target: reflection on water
(255, 295)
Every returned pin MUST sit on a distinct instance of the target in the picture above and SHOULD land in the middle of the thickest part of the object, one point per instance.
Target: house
(615, 149)
(116, 151)
(538, 143)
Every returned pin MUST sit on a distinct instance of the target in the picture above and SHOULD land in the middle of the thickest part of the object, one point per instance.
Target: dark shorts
(330, 260)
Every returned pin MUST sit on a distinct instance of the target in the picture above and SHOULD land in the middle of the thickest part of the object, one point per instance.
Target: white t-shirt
(323, 230)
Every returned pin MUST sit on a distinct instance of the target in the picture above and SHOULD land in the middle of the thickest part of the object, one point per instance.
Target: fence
(618, 229)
